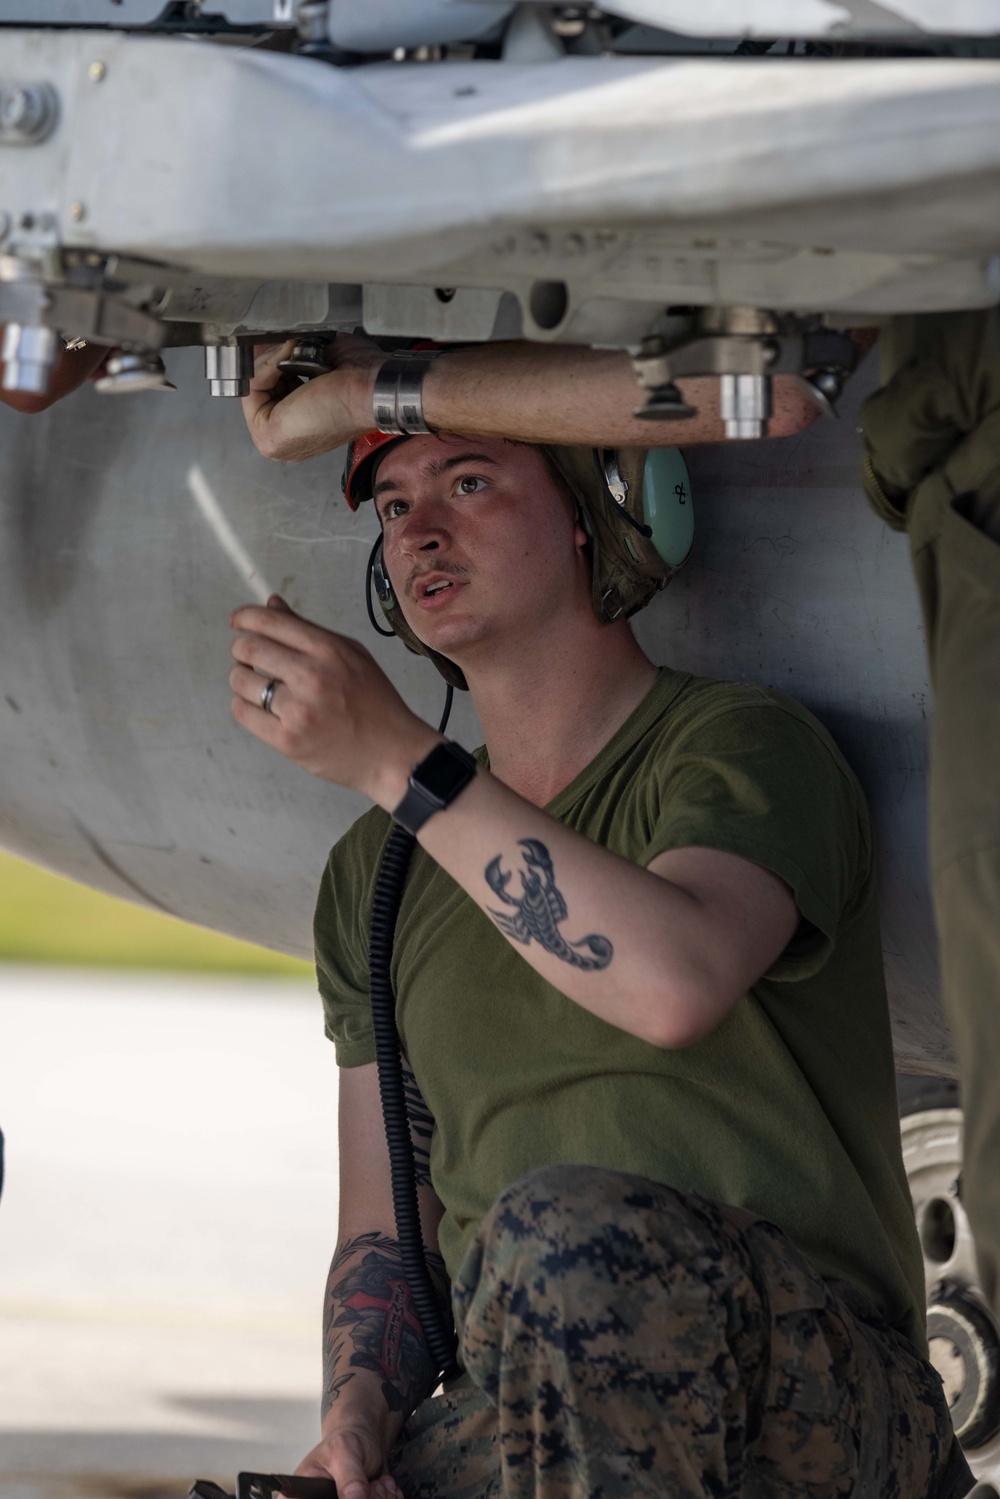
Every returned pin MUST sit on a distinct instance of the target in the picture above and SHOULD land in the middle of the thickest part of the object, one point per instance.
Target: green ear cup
(667, 505)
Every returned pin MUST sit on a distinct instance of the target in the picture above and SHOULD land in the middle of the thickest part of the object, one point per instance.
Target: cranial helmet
(634, 504)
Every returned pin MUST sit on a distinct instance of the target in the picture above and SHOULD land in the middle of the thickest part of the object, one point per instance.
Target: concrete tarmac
(166, 1225)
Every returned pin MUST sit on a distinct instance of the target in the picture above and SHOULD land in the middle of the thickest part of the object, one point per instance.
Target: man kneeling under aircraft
(564, 1432)
(640, 993)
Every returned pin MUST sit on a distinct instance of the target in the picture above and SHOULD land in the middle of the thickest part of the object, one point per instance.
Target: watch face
(444, 772)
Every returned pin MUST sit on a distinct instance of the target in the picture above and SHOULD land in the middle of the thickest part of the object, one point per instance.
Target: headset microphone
(376, 577)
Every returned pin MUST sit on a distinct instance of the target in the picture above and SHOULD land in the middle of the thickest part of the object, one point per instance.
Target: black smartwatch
(434, 784)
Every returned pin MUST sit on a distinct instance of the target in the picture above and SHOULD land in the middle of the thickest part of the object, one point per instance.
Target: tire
(964, 1338)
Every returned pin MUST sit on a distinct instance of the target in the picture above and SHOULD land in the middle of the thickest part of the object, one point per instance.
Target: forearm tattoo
(536, 914)
(421, 1126)
(369, 1322)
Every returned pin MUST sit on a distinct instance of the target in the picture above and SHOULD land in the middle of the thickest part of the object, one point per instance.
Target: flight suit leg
(933, 465)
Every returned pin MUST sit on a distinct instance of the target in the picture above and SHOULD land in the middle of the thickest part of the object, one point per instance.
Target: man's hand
(290, 422)
(942, 386)
(354, 1458)
(334, 711)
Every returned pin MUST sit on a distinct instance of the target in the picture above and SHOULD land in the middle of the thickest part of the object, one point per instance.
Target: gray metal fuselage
(130, 529)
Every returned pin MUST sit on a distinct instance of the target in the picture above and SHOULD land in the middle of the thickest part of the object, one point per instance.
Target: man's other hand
(354, 1459)
(941, 392)
(291, 421)
(333, 711)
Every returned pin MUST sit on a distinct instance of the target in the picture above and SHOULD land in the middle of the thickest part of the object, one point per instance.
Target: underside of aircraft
(720, 188)
(677, 180)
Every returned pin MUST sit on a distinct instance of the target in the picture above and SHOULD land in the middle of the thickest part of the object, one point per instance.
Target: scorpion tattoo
(540, 909)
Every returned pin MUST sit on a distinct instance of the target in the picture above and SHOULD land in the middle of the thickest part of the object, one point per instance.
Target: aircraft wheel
(963, 1336)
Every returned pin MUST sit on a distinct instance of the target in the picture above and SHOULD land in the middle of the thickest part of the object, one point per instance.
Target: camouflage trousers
(621, 1338)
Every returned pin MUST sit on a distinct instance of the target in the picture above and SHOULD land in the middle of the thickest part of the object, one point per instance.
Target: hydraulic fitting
(229, 368)
(745, 404)
(126, 372)
(309, 357)
(29, 355)
(745, 348)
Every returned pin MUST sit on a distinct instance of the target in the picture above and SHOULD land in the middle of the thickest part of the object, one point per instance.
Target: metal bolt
(312, 22)
(97, 71)
(570, 23)
(13, 268)
(27, 111)
(77, 211)
(15, 108)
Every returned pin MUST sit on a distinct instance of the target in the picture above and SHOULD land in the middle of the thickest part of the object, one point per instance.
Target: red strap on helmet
(357, 481)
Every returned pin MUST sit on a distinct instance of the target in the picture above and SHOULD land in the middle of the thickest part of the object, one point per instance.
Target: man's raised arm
(543, 393)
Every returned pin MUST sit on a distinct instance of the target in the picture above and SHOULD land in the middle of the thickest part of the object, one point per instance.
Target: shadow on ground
(155, 1464)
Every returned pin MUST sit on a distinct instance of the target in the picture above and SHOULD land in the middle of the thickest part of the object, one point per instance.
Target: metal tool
(266, 1486)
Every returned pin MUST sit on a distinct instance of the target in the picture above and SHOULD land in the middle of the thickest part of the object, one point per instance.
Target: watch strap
(425, 795)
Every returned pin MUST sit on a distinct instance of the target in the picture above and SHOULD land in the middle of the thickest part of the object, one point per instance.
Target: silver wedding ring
(267, 695)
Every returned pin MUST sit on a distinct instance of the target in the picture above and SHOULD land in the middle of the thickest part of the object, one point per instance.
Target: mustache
(447, 569)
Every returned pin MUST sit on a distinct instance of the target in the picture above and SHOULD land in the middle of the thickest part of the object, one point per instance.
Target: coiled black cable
(438, 1330)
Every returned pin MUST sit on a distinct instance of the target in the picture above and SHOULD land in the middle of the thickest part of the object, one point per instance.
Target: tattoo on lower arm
(369, 1323)
(540, 908)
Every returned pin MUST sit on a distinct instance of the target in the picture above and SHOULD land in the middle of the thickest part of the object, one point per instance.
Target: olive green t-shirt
(787, 1108)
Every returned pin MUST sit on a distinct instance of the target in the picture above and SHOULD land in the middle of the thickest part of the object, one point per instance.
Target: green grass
(47, 919)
